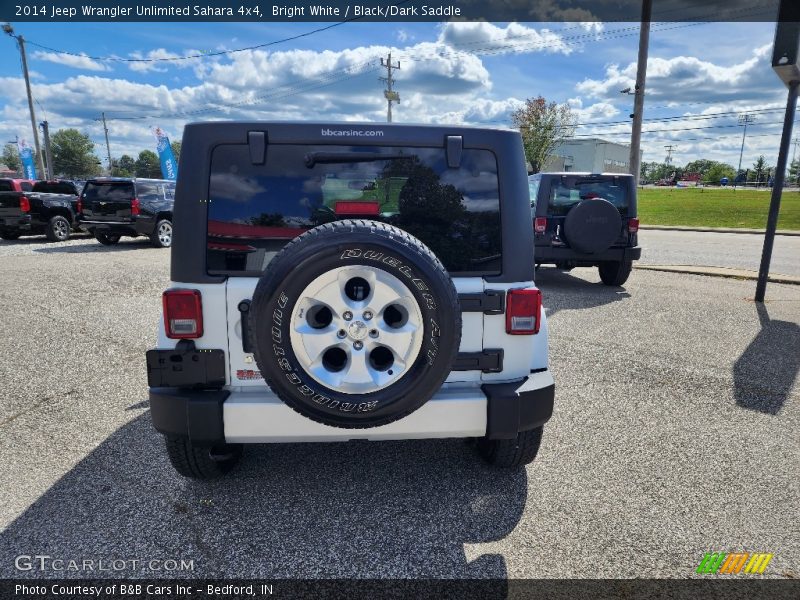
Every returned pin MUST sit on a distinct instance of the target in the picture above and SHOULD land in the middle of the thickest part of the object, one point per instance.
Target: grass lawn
(715, 207)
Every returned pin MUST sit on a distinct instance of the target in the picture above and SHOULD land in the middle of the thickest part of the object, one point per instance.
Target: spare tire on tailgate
(355, 324)
(592, 226)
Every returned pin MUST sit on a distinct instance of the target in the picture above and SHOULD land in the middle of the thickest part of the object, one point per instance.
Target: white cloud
(69, 60)
(688, 78)
(482, 36)
(160, 59)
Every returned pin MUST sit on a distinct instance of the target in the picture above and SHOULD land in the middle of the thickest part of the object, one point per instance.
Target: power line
(196, 56)
(289, 90)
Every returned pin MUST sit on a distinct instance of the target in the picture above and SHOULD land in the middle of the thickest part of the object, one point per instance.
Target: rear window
(6, 186)
(114, 192)
(26, 186)
(54, 187)
(254, 210)
(566, 192)
(533, 189)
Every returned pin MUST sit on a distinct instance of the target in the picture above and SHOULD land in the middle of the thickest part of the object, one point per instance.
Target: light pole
(638, 99)
(9, 30)
(744, 119)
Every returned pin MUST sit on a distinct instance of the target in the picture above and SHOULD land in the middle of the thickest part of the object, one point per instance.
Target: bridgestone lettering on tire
(356, 324)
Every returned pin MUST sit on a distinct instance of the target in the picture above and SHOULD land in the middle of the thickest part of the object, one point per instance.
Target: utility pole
(670, 149)
(51, 172)
(108, 146)
(21, 43)
(389, 93)
(744, 119)
(638, 98)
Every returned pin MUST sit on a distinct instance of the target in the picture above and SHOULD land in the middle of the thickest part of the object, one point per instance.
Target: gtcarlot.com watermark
(43, 563)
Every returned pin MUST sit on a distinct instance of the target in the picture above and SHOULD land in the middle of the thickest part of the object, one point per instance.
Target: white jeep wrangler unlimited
(340, 282)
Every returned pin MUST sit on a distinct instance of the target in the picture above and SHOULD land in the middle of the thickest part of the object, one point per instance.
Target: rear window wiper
(314, 158)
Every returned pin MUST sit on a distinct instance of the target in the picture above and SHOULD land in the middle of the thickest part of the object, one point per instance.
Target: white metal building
(591, 155)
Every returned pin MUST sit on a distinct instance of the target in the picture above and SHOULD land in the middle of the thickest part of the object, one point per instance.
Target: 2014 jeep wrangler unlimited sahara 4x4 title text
(371, 283)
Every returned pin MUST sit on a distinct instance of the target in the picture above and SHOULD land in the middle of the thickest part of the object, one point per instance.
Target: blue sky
(474, 73)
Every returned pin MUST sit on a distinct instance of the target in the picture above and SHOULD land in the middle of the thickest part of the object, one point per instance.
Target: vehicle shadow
(765, 373)
(93, 245)
(41, 239)
(563, 291)
(342, 510)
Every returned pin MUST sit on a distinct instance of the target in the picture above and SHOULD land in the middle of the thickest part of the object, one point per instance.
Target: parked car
(48, 207)
(586, 220)
(352, 281)
(113, 207)
(16, 185)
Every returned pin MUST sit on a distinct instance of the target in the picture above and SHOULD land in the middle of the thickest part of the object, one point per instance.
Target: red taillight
(79, 206)
(540, 224)
(135, 208)
(24, 204)
(523, 312)
(183, 314)
(357, 208)
(633, 225)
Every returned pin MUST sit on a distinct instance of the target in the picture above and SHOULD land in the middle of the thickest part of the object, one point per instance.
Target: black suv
(586, 220)
(111, 207)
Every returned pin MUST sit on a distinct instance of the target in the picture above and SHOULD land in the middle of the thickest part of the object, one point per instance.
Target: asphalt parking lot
(675, 434)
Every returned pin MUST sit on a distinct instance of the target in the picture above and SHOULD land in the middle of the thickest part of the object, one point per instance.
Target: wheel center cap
(357, 330)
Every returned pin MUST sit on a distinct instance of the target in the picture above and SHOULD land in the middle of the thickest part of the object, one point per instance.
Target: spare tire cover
(355, 324)
(591, 226)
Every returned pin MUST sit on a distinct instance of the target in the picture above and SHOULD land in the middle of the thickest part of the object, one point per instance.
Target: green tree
(176, 150)
(794, 172)
(124, 166)
(711, 171)
(148, 165)
(73, 154)
(544, 126)
(717, 171)
(760, 169)
(10, 158)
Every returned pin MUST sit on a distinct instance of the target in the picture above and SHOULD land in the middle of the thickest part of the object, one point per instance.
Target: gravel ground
(675, 434)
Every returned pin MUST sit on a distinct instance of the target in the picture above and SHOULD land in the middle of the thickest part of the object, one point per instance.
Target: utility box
(786, 53)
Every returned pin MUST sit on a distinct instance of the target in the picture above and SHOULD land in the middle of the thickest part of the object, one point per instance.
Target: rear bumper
(16, 223)
(497, 411)
(117, 227)
(548, 254)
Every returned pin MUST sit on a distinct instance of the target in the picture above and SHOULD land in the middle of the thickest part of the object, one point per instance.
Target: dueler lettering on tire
(355, 324)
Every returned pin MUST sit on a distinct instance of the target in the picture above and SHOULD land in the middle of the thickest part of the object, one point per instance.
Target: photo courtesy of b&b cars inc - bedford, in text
(468, 299)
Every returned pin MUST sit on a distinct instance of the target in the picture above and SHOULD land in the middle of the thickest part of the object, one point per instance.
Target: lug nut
(367, 315)
(341, 334)
(348, 316)
(358, 345)
(373, 333)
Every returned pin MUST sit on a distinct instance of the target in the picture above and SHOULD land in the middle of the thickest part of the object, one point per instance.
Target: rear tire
(58, 229)
(202, 462)
(509, 454)
(615, 273)
(9, 236)
(162, 234)
(107, 239)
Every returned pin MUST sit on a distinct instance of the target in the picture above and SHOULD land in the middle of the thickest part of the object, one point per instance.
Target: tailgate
(107, 201)
(9, 204)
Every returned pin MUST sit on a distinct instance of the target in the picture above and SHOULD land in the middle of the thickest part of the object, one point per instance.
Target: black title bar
(387, 10)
